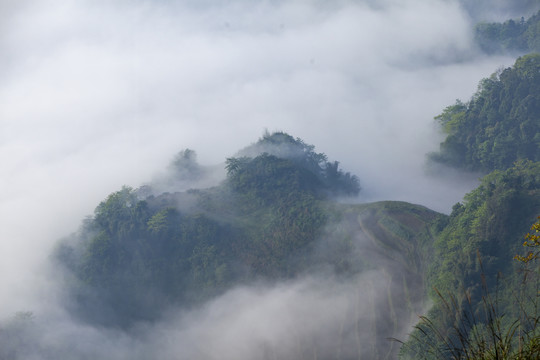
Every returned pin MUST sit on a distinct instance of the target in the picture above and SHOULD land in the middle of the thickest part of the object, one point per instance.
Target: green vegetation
(272, 219)
(473, 257)
(486, 306)
(499, 125)
(129, 252)
(140, 253)
(331, 180)
(516, 36)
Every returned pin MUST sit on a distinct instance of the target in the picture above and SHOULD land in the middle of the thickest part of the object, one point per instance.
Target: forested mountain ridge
(272, 219)
(499, 125)
(475, 282)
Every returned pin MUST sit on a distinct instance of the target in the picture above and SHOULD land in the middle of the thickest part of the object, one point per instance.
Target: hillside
(273, 219)
(499, 125)
(481, 294)
(474, 280)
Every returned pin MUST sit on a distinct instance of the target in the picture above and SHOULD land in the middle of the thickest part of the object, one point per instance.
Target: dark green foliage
(515, 36)
(494, 213)
(267, 179)
(276, 242)
(133, 259)
(331, 179)
(140, 253)
(270, 220)
(282, 196)
(473, 260)
(499, 125)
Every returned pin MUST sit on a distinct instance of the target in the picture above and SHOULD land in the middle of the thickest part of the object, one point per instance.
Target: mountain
(274, 219)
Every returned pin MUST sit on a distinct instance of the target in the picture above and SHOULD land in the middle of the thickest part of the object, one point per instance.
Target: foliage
(532, 241)
(499, 125)
(135, 256)
(267, 178)
(140, 253)
(511, 36)
(471, 258)
(472, 334)
(281, 195)
(331, 179)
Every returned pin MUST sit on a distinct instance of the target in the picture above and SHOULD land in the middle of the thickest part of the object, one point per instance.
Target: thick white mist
(98, 94)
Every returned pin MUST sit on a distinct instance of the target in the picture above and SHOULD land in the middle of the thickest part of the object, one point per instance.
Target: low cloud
(315, 316)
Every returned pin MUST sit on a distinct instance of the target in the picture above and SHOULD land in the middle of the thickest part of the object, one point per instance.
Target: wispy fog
(97, 94)
(313, 316)
(307, 319)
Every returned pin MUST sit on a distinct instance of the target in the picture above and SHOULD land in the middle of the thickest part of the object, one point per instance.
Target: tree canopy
(140, 252)
(321, 175)
(499, 125)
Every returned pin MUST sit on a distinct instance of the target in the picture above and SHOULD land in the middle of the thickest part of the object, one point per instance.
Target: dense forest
(499, 124)
(141, 253)
(274, 218)
(481, 293)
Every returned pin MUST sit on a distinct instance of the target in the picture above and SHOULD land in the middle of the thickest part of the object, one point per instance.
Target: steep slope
(474, 280)
(396, 239)
(476, 285)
